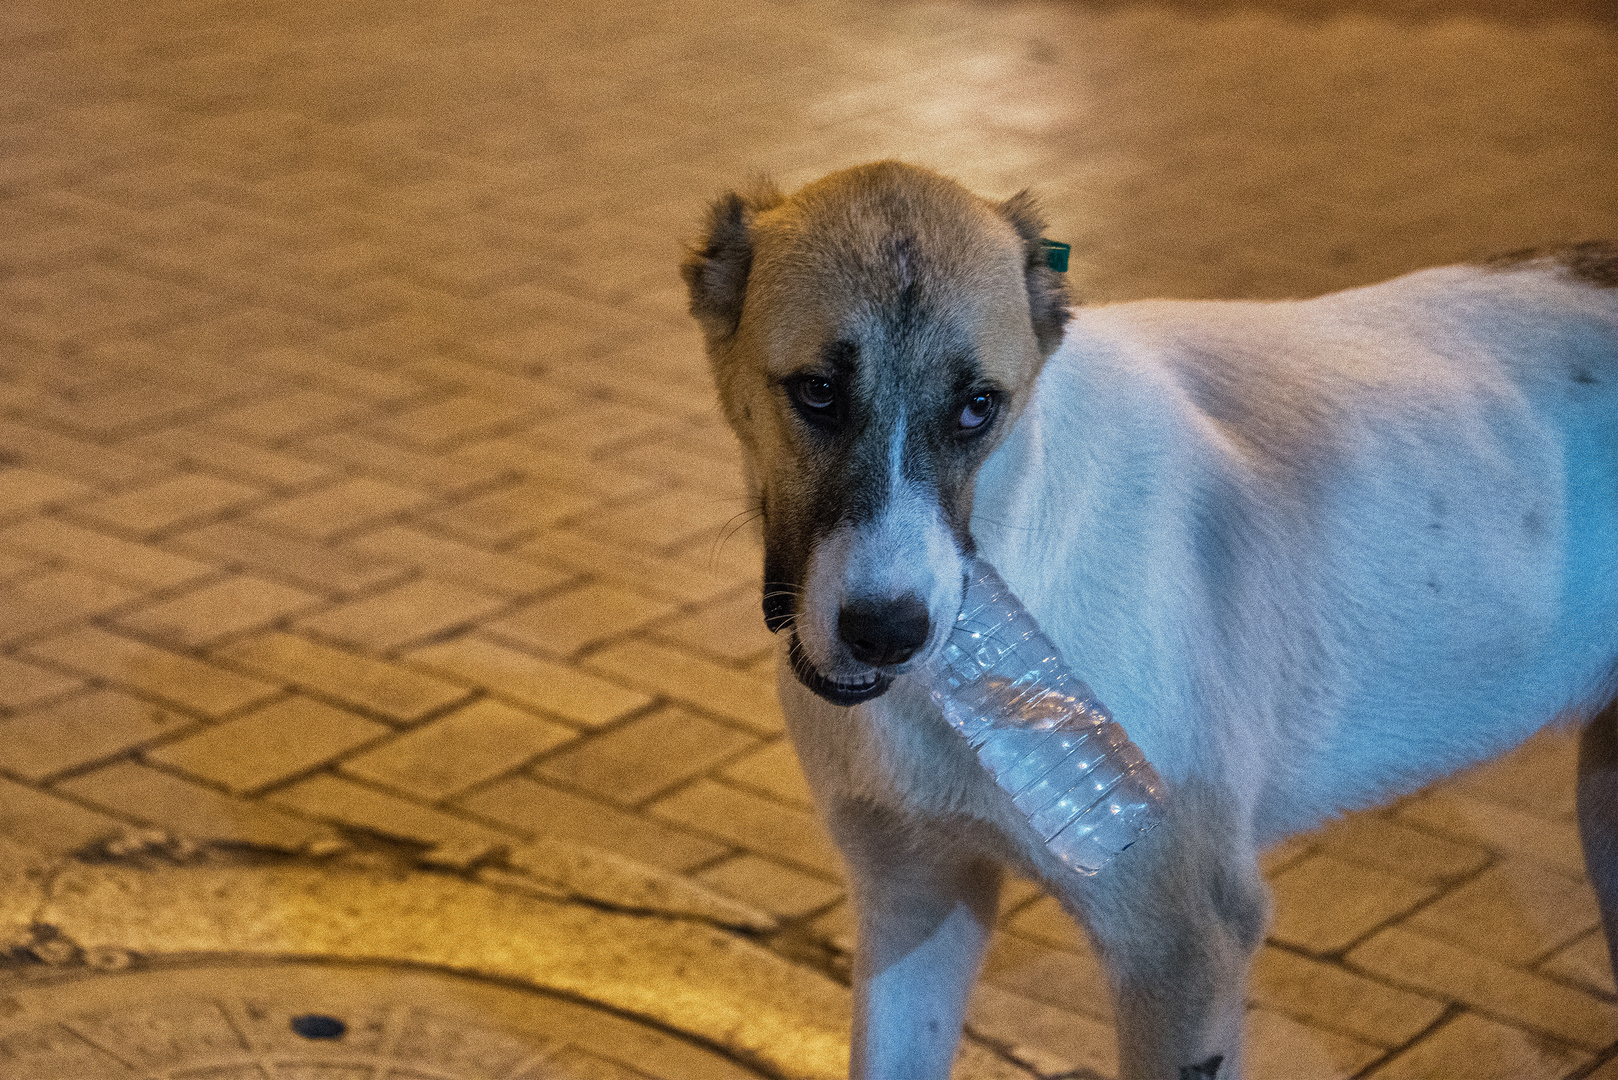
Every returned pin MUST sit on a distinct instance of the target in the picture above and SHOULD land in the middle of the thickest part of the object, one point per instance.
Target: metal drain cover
(315, 1021)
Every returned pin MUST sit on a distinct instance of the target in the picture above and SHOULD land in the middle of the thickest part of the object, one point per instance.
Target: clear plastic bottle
(1087, 790)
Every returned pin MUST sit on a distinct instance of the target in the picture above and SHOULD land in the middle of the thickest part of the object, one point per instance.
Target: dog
(1312, 554)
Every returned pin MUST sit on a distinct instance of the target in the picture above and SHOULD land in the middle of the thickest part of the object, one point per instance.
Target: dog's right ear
(1047, 291)
(716, 270)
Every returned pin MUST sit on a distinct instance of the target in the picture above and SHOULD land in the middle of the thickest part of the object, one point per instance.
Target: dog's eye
(978, 411)
(814, 393)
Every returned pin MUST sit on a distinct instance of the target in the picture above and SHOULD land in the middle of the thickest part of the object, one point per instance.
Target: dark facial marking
(779, 593)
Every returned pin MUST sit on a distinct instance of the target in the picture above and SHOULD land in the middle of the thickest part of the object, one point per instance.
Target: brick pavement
(361, 474)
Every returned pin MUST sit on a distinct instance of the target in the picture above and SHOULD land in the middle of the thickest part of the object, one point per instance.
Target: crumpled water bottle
(1087, 790)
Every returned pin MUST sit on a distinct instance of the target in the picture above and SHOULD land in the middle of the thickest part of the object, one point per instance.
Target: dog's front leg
(1177, 919)
(926, 909)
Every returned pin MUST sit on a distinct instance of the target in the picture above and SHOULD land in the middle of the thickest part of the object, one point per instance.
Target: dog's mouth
(836, 691)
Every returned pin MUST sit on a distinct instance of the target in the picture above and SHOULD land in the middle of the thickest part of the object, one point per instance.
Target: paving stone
(1044, 921)
(649, 754)
(151, 797)
(49, 823)
(402, 614)
(189, 498)
(541, 810)
(562, 623)
(22, 685)
(778, 889)
(556, 463)
(715, 476)
(511, 513)
(446, 756)
(572, 695)
(346, 506)
(319, 371)
(154, 672)
(1537, 778)
(299, 412)
(731, 629)
(13, 567)
(79, 730)
(268, 745)
(441, 424)
(217, 610)
(1380, 842)
(1491, 987)
(302, 562)
(736, 557)
(1073, 981)
(1280, 1048)
(1514, 912)
(69, 303)
(492, 383)
(123, 561)
(345, 802)
(1277, 857)
(396, 693)
(1016, 893)
(53, 600)
(761, 826)
(1585, 962)
(355, 452)
(668, 578)
(659, 523)
(86, 461)
(1501, 828)
(1052, 1040)
(1480, 1049)
(198, 447)
(774, 770)
(699, 683)
(1327, 995)
(450, 560)
(122, 407)
(1324, 904)
(23, 490)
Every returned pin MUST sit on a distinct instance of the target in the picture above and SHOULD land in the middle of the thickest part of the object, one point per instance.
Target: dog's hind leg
(1598, 816)
(925, 909)
(1177, 920)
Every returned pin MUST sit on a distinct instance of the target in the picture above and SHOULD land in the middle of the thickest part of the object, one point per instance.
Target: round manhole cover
(315, 1021)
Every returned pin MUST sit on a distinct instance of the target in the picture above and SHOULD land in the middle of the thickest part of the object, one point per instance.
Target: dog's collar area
(823, 686)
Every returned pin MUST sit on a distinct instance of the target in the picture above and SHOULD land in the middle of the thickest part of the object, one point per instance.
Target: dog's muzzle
(833, 690)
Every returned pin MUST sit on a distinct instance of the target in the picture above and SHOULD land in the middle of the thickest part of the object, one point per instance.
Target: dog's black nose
(883, 632)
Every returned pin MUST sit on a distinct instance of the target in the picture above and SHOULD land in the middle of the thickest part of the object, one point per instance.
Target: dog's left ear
(716, 270)
(1047, 291)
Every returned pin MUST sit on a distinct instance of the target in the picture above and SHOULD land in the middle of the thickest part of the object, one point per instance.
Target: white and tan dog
(1312, 554)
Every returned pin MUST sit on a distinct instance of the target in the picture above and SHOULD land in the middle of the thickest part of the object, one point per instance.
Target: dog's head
(873, 338)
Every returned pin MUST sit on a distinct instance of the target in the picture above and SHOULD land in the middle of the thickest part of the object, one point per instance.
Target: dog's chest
(911, 760)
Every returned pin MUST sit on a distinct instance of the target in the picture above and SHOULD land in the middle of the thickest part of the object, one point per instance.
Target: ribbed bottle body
(1087, 790)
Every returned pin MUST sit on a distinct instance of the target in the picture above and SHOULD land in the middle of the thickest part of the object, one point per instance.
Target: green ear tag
(1056, 254)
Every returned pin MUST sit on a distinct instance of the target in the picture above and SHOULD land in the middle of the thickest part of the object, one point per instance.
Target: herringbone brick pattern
(361, 472)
